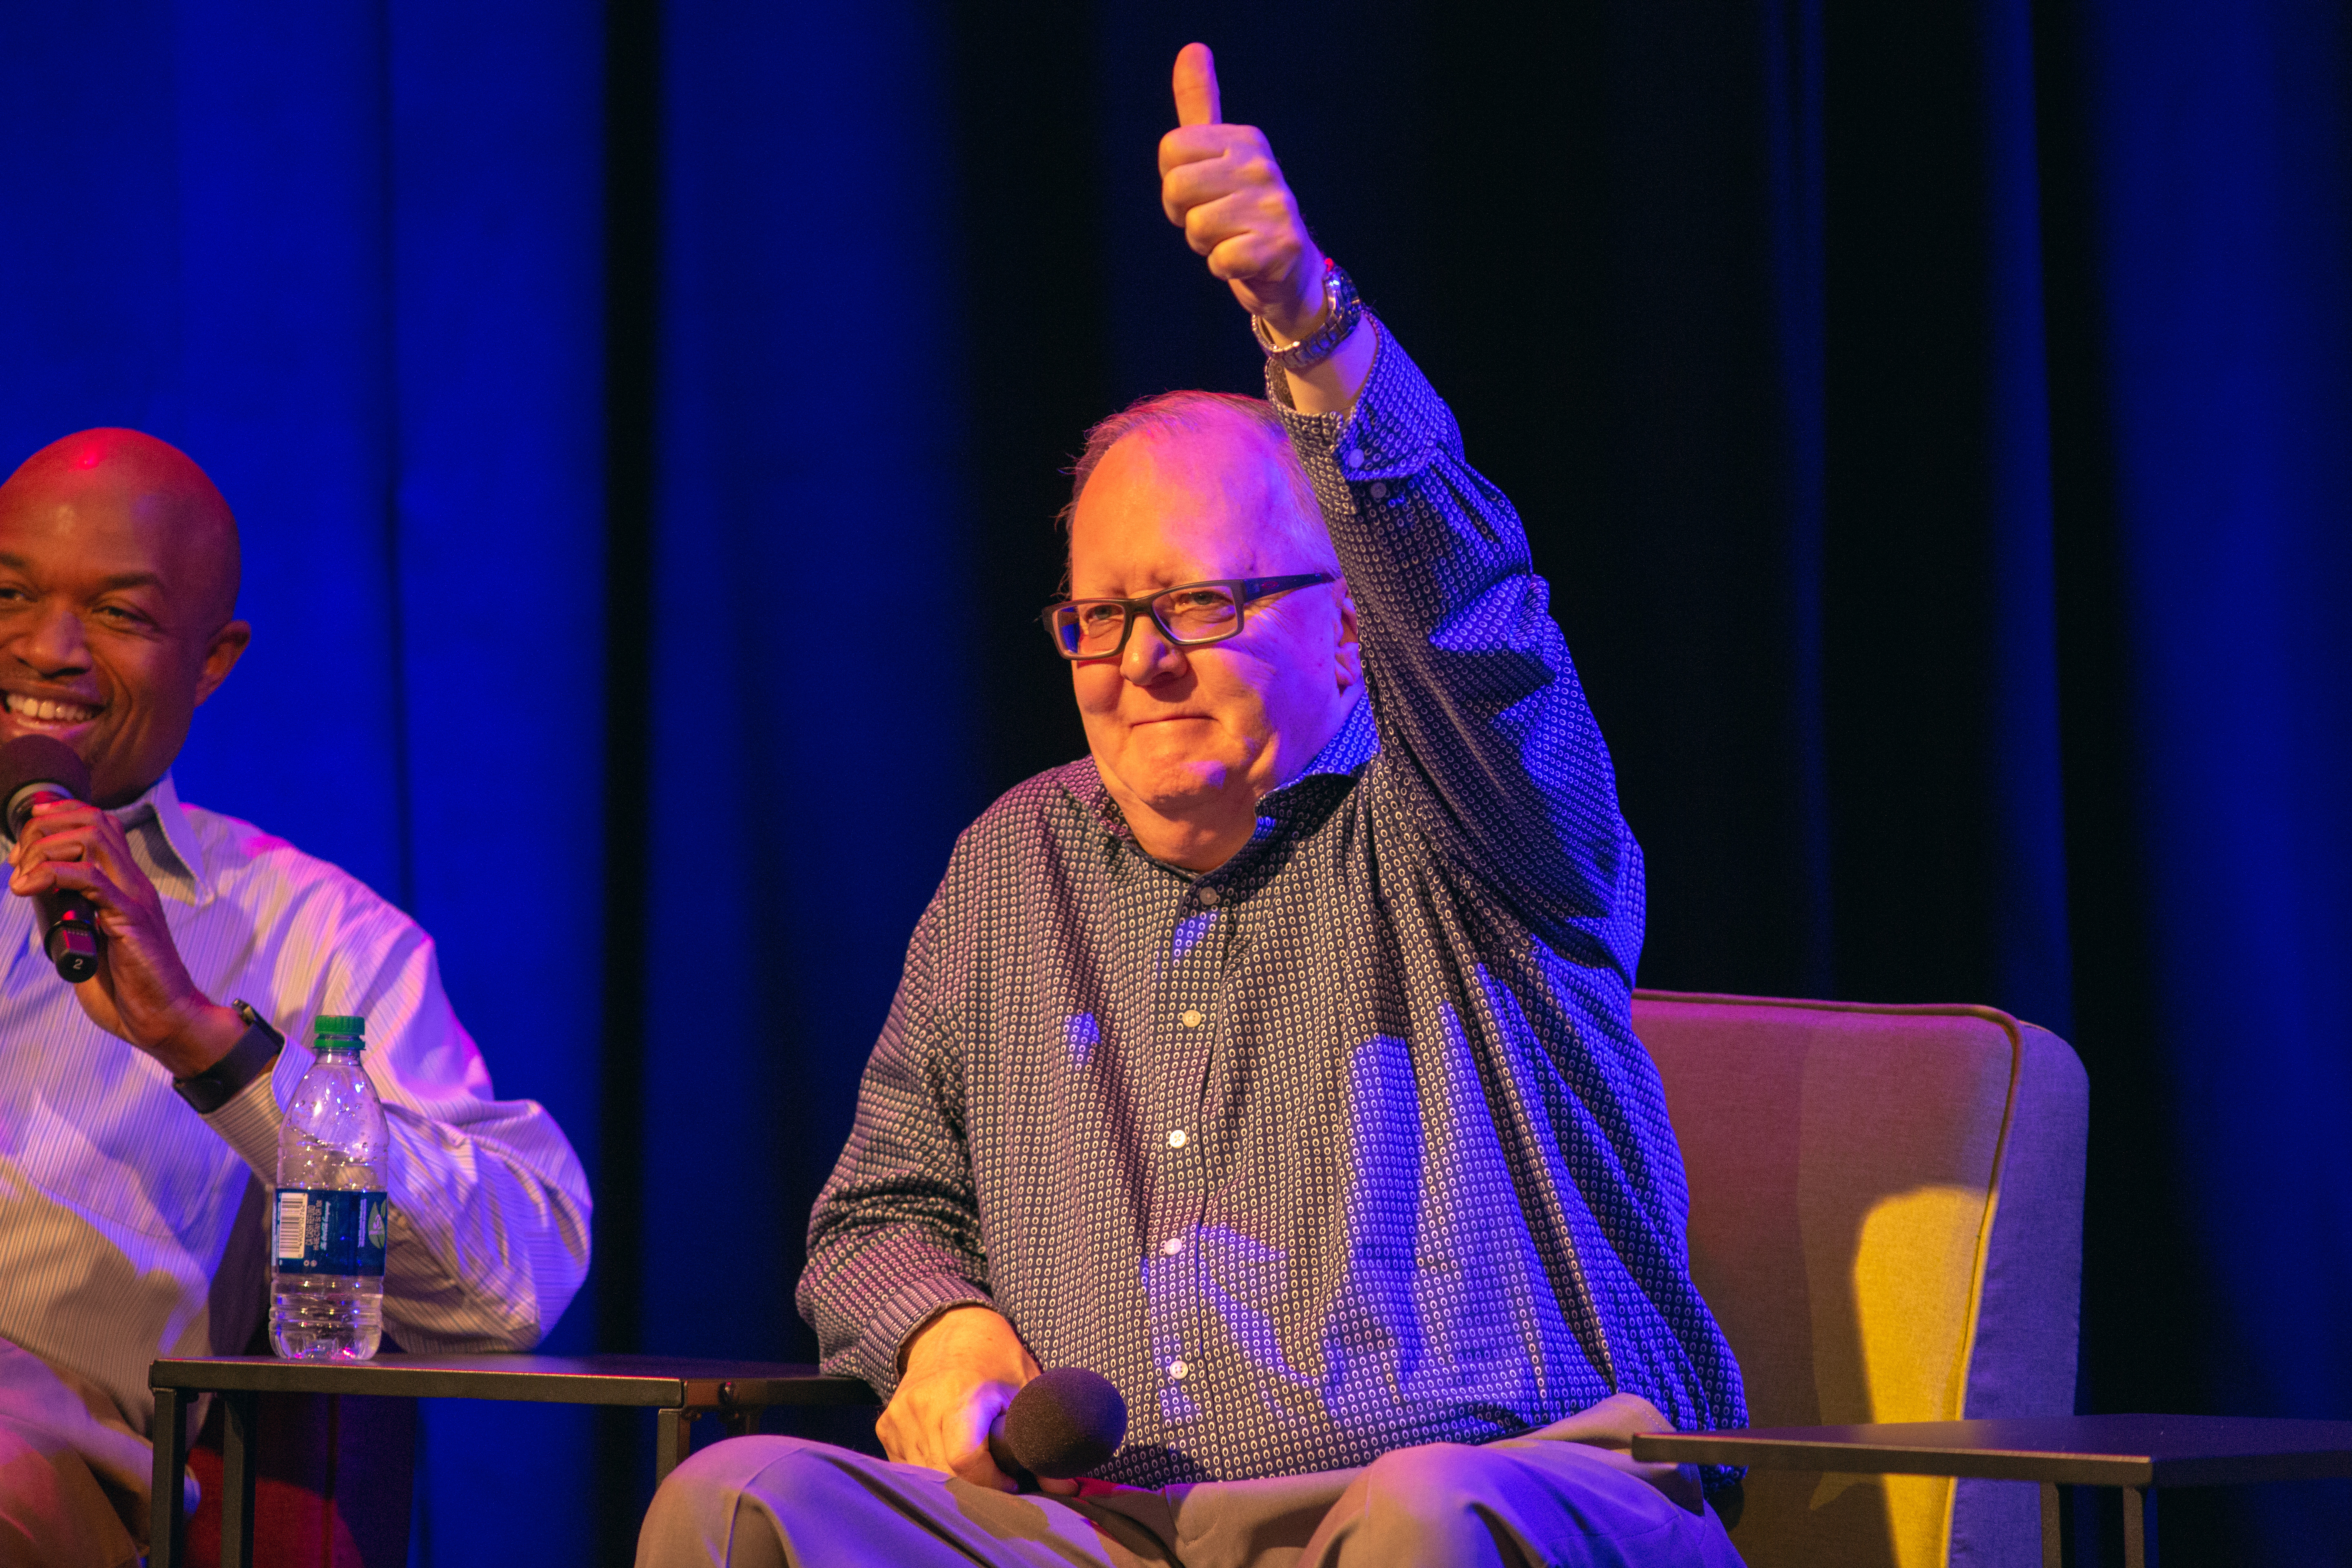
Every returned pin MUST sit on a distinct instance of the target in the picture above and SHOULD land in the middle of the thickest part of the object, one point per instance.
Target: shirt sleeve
(489, 1237)
(895, 1239)
(1483, 724)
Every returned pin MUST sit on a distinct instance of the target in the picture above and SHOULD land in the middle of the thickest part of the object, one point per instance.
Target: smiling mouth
(48, 711)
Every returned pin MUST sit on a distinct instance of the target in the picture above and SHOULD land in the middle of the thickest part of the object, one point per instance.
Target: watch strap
(218, 1084)
(1341, 310)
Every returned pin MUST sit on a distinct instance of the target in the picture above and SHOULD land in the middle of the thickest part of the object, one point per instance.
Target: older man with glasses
(1276, 1061)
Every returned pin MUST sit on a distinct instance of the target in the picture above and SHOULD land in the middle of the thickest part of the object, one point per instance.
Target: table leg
(2139, 1527)
(240, 1418)
(743, 1420)
(673, 1440)
(167, 1518)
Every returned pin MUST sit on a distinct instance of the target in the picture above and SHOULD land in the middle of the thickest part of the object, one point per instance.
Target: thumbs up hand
(1221, 185)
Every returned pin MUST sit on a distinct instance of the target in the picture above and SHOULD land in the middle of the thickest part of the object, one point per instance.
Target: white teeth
(48, 710)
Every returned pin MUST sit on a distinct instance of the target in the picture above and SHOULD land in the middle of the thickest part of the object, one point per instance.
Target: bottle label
(325, 1231)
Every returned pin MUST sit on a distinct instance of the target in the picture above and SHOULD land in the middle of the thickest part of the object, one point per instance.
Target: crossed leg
(782, 1502)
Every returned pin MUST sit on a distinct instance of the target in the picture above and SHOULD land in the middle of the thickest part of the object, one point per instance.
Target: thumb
(1196, 86)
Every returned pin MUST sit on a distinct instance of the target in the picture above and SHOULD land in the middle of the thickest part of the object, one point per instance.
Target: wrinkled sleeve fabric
(1483, 724)
(490, 1207)
(895, 1239)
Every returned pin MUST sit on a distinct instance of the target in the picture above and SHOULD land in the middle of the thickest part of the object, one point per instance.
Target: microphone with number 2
(33, 769)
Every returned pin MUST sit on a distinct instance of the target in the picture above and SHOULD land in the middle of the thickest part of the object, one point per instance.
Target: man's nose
(1150, 656)
(56, 644)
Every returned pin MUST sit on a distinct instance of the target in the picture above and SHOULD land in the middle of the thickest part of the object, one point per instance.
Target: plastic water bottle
(331, 1212)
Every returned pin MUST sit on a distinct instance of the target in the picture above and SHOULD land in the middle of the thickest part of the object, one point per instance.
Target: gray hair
(1194, 414)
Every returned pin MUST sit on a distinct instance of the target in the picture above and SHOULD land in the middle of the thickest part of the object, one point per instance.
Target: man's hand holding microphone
(137, 987)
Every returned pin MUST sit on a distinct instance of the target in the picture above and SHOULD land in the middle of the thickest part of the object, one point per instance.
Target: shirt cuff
(1396, 428)
(904, 1316)
(248, 1124)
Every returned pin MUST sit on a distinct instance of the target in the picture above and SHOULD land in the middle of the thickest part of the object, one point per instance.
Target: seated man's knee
(1433, 1476)
(1429, 1500)
(770, 1503)
(718, 1507)
(1450, 1504)
(52, 1510)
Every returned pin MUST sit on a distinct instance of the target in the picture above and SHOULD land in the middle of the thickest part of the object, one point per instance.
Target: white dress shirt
(130, 1226)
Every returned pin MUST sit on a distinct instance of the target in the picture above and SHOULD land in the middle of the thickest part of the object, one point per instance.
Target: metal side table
(2137, 1454)
(679, 1389)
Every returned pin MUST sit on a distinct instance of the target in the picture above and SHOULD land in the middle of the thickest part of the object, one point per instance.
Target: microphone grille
(40, 759)
(1066, 1421)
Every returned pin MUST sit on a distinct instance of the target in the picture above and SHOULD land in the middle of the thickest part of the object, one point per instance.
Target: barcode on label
(293, 1223)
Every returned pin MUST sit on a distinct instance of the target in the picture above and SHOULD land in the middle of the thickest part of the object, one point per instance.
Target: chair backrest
(1886, 1216)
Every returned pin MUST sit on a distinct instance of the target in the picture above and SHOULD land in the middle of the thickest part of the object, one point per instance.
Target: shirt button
(1172, 1245)
(1177, 1369)
(1176, 1139)
(1353, 460)
(1379, 489)
(1191, 1019)
(1207, 897)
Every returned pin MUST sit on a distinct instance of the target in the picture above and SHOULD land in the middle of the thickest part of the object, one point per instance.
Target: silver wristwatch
(1341, 312)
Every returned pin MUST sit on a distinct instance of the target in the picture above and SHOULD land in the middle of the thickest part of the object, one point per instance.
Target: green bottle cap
(327, 1027)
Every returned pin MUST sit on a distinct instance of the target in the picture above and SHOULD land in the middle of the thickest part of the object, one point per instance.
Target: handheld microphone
(33, 769)
(1061, 1426)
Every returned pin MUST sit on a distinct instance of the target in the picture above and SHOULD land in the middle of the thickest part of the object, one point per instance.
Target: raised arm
(1480, 713)
(1221, 185)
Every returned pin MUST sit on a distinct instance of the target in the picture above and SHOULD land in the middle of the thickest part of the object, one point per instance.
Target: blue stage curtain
(811, 702)
(349, 258)
(2211, 385)
(1931, 419)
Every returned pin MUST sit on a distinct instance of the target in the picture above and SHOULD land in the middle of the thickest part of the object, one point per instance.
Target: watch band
(247, 1059)
(1341, 310)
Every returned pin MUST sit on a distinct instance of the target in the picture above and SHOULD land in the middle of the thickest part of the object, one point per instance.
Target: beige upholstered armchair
(1886, 1215)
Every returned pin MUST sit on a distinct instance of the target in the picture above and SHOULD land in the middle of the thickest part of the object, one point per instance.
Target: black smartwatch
(246, 1060)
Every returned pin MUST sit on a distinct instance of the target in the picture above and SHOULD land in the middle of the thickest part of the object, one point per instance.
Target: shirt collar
(163, 842)
(1354, 743)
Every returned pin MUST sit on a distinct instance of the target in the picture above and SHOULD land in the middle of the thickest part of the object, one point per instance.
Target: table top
(2071, 1450)
(676, 1381)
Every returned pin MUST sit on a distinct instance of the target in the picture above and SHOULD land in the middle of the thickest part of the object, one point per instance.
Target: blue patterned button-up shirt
(1344, 1146)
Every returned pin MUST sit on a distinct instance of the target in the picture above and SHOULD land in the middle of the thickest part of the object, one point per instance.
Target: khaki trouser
(73, 1475)
(782, 1502)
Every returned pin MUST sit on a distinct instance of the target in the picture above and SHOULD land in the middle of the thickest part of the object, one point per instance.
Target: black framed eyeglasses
(1190, 614)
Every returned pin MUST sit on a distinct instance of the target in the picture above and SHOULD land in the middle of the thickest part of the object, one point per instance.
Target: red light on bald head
(90, 456)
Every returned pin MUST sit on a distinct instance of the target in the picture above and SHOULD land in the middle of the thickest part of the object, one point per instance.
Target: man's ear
(228, 645)
(1347, 654)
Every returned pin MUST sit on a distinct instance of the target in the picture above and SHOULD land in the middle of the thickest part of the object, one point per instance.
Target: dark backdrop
(646, 424)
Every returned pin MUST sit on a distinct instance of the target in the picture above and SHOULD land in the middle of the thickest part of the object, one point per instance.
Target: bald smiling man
(139, 1110)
